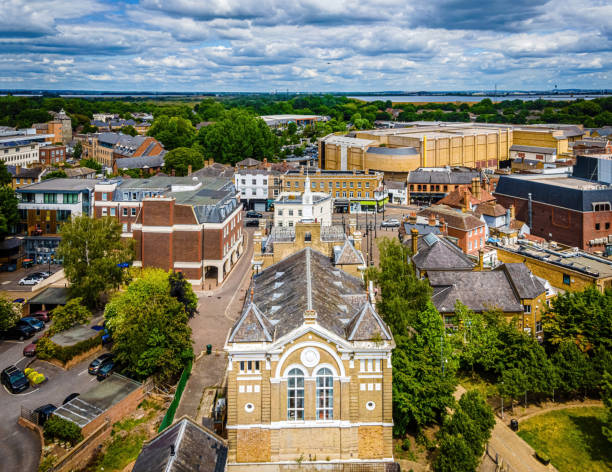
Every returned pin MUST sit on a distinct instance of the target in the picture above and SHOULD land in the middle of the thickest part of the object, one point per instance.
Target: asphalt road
(20, 448)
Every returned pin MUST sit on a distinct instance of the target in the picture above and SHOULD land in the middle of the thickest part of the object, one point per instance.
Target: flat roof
(93, 403)
(51, 296)
(74, 335)
(568, 182)
(60, 185)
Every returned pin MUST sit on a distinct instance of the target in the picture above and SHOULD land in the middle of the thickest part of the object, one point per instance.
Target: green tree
(181, 158)
(5, 176)
(572, 367)
(78, 150)
(606, 396)
(91, 164)
(91, 250)
(173, 131)
(291, 128)
(55, 174)
(73, 313)
(455, 455)
(238, 136)
(9, 213)
(182, 290)
(9, 313)
(514, 383)
(129, 130)
(150, 330)
(583, 318)
(475, 407)
(210, 110)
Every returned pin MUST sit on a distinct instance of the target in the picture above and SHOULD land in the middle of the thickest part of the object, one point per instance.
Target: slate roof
(436, 253)
(566, 192)
(24, 172)
(196, 449)
(446, 176)
(307, 280)
(526, 284)
(453, 218)
(347, 254)
(479, 291)
(143, 162)
(249, 162)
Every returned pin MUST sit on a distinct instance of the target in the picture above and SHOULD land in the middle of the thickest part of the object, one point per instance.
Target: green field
(572, 439)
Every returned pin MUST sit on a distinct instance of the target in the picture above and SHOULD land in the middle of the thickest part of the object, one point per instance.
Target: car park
(35, 324)
(70, 397)
(41, 315)
(99, 362)
(19, 332)
(253, 214)
(40, 275)
(390, 223)
(30, 349)
(43, 413)
(14, 379)
(105, 370)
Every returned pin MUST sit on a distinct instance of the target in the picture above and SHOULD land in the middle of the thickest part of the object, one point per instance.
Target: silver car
(390, 223)
(30, 280)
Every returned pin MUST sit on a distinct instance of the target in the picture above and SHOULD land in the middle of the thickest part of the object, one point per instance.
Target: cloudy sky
(305, 45)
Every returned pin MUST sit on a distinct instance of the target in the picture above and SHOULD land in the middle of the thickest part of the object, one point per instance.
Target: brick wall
(254, 445)
(370, 440)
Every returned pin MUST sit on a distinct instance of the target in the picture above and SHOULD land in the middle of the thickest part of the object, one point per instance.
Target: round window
(249, 407)
(370, 405)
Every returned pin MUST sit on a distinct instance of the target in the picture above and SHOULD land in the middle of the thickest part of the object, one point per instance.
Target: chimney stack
(432, 219)
(512, 212)
(415, 239)
(413, 217)
(480, 259)
(444, 229)
(466, 200)
(357, 240)
(17, 170)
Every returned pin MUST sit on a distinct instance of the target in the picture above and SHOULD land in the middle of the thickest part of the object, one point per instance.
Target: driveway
(21, 447)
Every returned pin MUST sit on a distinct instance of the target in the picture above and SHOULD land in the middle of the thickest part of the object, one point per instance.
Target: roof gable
(252, 326)
(347, 254)
(366, 325)
(439, 253)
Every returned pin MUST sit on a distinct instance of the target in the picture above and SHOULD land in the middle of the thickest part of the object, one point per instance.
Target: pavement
(9, 281)
(21, 447)
(516, 454)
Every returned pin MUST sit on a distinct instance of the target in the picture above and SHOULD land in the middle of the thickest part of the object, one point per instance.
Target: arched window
(325, 394)
(295, 395)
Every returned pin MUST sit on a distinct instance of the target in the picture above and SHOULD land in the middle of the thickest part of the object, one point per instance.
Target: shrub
(38, 378)
(64, 430)
(47, 349)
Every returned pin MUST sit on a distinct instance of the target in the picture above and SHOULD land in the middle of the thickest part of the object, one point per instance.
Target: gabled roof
(366, 324)
(436, 253)
(249, 162)
(456, 198)
(25, 173)
(304, 281)
(347, 254)
(453, 218)
(196, 449)
(252, 326)
(526, 284)
(143, 162)
(490, 209)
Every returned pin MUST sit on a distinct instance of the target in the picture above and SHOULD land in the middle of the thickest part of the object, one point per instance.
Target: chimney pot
(415, 239)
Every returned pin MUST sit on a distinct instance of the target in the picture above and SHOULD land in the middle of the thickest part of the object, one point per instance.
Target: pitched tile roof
(453, 218)
(490, 209)
(455, 198)
(366, 325)
(196, 449)
(526, 284)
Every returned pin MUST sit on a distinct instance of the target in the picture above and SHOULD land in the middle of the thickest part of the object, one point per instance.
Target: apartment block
(106, 147)
(52, 155)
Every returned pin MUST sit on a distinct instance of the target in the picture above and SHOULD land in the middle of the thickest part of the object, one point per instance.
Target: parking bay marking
(81, 373)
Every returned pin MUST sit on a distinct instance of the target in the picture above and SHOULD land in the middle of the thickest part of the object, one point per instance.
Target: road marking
(14, 342)
(81, 373)
(33, 390)
(7, 282)
(93, 379)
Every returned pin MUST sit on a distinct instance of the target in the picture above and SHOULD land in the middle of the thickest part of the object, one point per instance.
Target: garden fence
(169, 416)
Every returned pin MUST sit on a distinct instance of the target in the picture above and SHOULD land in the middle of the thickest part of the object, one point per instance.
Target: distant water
(468, 98)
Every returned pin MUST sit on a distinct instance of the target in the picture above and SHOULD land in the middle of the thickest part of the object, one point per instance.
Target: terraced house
(309, 372)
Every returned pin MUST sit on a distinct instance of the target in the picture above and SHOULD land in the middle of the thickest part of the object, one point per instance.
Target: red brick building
(188, 224)
(52, 155)
(470, 231)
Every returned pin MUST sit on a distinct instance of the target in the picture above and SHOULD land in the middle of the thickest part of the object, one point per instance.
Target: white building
(257, 187)
(20, 148)
(292, 207)
(533, 153)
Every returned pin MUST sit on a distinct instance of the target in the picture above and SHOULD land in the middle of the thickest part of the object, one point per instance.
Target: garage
(257, 206)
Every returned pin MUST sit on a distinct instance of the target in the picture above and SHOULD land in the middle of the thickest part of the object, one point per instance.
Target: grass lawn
(572, 439)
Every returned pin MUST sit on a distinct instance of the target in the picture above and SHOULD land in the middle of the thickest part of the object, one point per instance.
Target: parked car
(19, 300)
(99, 362)
(105, 370)
(41, 315)
(43, 413)
(72, 396)
(14, 379)
(251, 223)
(253, 214)
(8, 267)
(37, 325)
(390, 223)
(30, 280)
(41, 275)
(30, 349)
(19, 331)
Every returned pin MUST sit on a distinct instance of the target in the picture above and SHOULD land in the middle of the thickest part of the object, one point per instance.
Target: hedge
(64, 430)
(169, 416)
(47, 349)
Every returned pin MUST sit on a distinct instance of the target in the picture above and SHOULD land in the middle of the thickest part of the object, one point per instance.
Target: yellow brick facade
(337, 185)
(261, 434)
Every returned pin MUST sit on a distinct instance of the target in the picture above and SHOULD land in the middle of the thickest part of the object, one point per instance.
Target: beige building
(309, 372)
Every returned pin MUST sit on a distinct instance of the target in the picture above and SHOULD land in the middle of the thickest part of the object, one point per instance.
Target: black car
(105, 370)
(251, 223)
(99, 362)
(43, 413)
(20, 331)
(253, 214)
(72, 396)
(14, 379)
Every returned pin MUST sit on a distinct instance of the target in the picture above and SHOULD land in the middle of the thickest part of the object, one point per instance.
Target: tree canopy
(9, 213)
(179, 160)
(173, 131)
(149, 327)
(91, 250)
(73, 313)
(9, 313)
